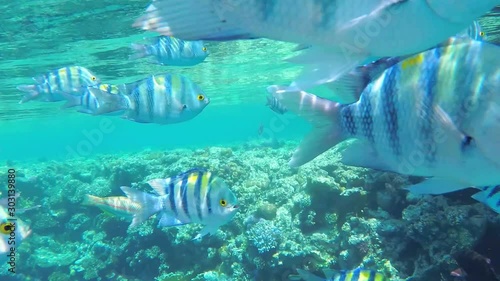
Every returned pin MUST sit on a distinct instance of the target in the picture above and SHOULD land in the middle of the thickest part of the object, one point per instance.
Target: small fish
(4, 203)
(275, 105)
(119, 206)
(195, 196)
(412, 119)
(474, 31)
(167, 50)
(358, 274)
(490, 196)
(8, 229)
(161, 99)
(343, 34)
(48, 87)
(474, 267)
(102, 99)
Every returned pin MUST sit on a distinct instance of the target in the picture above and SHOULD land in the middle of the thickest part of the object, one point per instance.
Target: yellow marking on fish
(176, 83)
(193, 178)
(379, 277)
(204, 184)
(415, 60)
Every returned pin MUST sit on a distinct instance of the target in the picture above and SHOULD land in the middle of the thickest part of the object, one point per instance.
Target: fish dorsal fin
(160, 186)
(330, 274)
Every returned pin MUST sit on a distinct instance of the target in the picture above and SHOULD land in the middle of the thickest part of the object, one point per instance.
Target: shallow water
(40, 140)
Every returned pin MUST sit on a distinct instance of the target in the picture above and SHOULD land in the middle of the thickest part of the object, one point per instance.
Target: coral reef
(324, 214)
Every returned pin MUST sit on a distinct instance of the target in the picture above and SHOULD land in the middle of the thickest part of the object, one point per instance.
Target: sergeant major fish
(195, 196)
(12, 233)
(96, 100)
(440, 107)
(167, 50)
(48, 86)
(343, 34)
(161, 99)
(357, 274)
(490, 196)
(275, 105)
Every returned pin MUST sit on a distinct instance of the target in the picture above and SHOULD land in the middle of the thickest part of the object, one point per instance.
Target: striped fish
(195, 196)
(162, 99)
(358, 274)
(431, 115)
(167, 50)
(344, 34)
(19, 227)
(120, 206)
(490, 196)
(474, 31)
(275, 105)
(97, 100)
(49, 86)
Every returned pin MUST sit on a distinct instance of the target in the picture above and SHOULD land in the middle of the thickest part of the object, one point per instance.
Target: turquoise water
(326, 214)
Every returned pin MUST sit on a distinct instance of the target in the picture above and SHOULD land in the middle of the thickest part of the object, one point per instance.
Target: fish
(474, 266)
(275, 105)
(431, 115)
(194, 196)
(49, 86)
(161, 99)
(357, 274)
(343, 34)
(12, 232)
(474, 31)
(168, 50)
(97, 100)
(119, 206)
(4, 203)
(490, 196)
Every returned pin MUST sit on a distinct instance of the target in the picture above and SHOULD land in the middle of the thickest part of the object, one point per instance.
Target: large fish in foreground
(12, 233)
(343, 33)
(357, 274)
(50, 86)
(195, 196)
(435, 115)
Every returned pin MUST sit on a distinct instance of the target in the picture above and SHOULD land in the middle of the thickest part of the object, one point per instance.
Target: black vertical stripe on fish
(137, 100)
(87, 100)
(366, 118)
(182, 45)
(355, 274)
(181, 90)
(208, 198)
(494, 191)
(150, 97)
(389, 92)
(197, 195)
(171, 197)
(372, 275)
(184, 195)
(429, 79)
(348, 120)
(70, 81)
(58, 81)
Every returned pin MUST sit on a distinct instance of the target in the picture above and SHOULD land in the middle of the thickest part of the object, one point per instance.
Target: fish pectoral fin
(207, 229)
(436, 186)
(205, 22)
(324, 65)
(169, 220)
(361, 154)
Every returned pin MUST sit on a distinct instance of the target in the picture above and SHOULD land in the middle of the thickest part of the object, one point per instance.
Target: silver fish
(343, 34)
(431, 115)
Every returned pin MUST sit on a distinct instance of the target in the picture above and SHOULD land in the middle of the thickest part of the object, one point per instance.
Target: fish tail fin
(30, 92)
(71, 100)
(150, 204)
(91, 200)
(481, 196)
(140, 51)
(108, 103)
(180, 18)
(323, 114)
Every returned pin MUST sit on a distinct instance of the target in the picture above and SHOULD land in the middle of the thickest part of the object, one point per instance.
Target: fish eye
(201, 97)
(93, 78)
(481, 33)
(223, 202)
(7, 228)
(204, 49)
